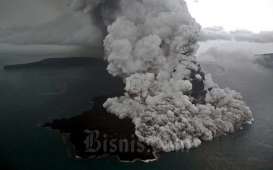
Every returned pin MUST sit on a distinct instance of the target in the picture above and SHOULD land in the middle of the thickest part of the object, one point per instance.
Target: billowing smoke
(151, 44)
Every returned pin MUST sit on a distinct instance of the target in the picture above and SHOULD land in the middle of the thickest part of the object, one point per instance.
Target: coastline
(76, 130)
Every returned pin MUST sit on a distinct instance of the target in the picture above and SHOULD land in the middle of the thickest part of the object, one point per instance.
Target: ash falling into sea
(151, 44)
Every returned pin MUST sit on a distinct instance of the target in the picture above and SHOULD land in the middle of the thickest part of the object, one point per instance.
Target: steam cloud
(151, 44)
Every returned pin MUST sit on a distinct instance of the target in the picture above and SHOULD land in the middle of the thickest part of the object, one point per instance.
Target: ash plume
(151, 44)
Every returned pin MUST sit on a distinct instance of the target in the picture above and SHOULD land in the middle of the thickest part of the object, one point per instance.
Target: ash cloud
(101, 12)
(175, 106)
(151, 44)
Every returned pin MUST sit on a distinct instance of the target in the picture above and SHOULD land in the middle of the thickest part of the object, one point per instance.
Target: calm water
(31, 97)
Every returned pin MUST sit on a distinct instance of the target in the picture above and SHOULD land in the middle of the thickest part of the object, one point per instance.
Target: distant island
(58, 63)
(265, 60)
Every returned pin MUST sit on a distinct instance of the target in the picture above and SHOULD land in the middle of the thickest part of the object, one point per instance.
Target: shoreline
(105, 128)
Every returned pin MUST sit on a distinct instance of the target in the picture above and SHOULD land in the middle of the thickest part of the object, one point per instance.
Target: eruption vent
(151, 44)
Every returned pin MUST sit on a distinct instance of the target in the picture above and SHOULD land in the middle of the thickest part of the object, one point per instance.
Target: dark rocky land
(108, 135)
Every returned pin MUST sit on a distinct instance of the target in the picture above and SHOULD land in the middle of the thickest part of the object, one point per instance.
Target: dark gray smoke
(102, 12)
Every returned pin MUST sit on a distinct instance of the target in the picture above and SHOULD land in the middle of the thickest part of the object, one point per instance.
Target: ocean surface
(31, 97)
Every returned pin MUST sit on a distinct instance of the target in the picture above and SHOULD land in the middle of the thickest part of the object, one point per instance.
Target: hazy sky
(29, 12)
(253, 15)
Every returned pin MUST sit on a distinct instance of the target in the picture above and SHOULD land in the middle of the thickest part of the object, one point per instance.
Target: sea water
(31, 97)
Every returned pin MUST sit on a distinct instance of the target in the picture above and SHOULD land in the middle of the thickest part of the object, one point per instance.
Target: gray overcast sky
(253, 15)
